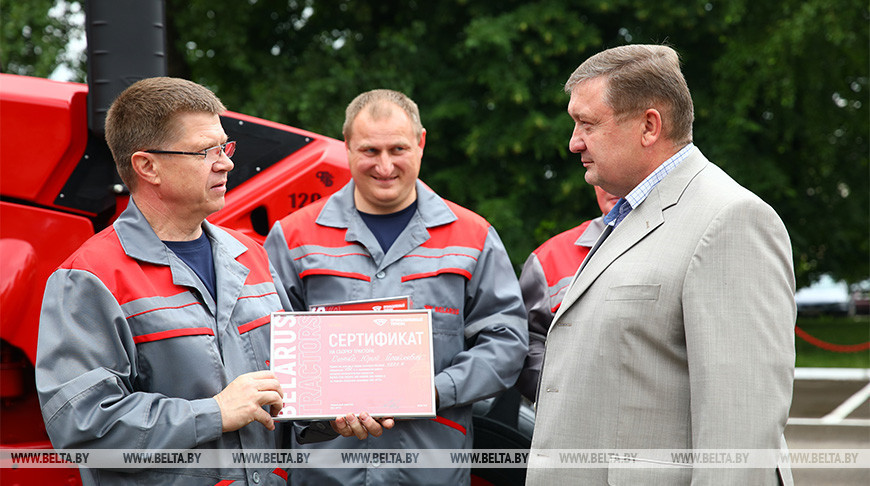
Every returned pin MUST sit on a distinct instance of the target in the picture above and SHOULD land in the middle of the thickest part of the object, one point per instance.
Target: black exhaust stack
(126, 43)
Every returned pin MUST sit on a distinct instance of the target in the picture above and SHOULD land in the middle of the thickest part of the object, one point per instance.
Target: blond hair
(376, 101)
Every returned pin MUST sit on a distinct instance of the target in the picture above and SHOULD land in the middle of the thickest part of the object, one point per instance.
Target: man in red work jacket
(544, 279)
(155, 333)
(386, 234)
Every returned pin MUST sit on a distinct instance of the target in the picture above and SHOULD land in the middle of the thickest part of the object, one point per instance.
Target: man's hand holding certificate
(350, 425)
(331, 363)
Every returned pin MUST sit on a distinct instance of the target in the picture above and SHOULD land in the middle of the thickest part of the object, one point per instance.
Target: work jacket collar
(340, 210)
(141, 242)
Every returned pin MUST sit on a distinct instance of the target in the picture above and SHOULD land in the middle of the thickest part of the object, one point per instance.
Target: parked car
(861, 297)
(825, 297)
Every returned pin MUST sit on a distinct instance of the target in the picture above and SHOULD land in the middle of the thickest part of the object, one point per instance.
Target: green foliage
(33, 42)
(797, 125)
(780, 91)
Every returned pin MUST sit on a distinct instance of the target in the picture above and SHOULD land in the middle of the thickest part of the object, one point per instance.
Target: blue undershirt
(197, 255)
(388, 227)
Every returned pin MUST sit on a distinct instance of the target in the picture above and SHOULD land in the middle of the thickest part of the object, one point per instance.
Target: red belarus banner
(385, 304)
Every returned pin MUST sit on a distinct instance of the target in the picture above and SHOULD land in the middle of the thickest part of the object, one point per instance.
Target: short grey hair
(641, 77)
(142, 117)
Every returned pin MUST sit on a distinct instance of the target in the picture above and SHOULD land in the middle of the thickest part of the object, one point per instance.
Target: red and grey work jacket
(447, 259)
(544, 279)
(132, 348)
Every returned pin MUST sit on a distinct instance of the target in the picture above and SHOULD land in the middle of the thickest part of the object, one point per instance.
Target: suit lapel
(639, 223)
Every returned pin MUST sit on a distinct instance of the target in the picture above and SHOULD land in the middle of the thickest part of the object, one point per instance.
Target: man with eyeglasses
(154, 334)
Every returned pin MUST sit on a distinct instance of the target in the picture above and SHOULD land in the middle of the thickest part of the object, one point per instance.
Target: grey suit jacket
(677, 333)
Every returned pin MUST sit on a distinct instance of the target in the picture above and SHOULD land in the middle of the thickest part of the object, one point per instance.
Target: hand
(241, 402)
(349, 425)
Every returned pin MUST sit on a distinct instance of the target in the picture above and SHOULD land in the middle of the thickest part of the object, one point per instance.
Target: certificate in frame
(331, 363)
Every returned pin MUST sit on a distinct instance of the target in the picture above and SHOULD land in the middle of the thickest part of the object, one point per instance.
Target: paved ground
(830, 410)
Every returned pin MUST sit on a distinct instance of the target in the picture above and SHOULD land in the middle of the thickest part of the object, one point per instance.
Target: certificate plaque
(331, 363)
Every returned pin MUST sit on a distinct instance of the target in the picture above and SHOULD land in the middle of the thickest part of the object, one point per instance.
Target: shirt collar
(642, 190)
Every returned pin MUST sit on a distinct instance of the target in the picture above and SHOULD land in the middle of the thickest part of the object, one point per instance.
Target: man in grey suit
(677, 333)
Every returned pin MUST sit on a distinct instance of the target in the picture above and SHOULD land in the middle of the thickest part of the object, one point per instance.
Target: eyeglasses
(211, 154)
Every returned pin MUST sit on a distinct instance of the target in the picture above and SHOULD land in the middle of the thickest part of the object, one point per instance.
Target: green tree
(791, 92)
(780, 90)
(36, 35)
